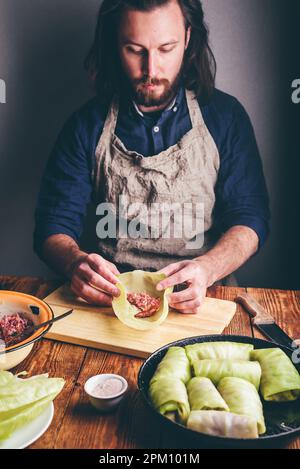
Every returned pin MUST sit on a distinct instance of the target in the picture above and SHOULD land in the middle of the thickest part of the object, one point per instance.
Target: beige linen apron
(184, 175)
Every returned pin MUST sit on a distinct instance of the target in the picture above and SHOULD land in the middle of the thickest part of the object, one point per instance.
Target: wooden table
(75, 424)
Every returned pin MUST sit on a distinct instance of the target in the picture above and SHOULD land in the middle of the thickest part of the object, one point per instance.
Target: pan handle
(259, 314)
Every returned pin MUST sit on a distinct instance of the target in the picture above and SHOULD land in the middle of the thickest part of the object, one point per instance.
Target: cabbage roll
(218, 369)
(243, 399)
(175, 364)
(204, 396)
(280, 380)
(169, 396)
(140, 281)
(224, 424)
(219, 350)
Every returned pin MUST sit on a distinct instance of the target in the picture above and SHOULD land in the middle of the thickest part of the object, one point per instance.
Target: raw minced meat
(12, 325)
(145, 303)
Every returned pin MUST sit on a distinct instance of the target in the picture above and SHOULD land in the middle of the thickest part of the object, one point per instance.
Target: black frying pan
(282, 419)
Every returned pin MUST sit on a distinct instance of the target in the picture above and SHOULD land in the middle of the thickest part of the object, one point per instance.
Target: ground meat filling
(12, 325)
(146, 304)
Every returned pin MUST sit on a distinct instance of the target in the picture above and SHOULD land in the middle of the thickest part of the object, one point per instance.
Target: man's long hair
(104, 65)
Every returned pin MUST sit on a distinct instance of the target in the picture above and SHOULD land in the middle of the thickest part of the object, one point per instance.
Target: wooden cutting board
(99, 328)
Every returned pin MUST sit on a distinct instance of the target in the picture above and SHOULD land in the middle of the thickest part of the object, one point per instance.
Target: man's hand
(234, 248)
(88, 273)
(94, 273)
(196, 275)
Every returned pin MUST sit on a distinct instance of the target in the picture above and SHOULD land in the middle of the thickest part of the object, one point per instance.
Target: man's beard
(149, 97)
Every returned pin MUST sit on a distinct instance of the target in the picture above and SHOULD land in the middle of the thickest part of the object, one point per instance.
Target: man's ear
(188, 37)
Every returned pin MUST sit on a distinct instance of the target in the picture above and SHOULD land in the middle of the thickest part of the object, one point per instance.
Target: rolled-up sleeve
(66, 187)
(242, 196)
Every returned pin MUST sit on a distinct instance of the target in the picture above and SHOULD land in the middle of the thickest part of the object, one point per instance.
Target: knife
(265, 322)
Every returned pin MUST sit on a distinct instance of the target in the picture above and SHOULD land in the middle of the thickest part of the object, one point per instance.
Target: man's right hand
(88, 273)
(91, 274)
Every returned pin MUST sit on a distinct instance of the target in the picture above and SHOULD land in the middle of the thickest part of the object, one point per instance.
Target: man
(158, 132)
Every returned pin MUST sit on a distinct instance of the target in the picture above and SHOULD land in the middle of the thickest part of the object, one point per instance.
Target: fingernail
(159, 287)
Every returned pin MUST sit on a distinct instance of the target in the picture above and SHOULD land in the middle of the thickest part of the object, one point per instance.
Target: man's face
(152, 46)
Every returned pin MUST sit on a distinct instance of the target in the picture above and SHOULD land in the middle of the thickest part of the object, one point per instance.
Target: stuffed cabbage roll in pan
(203, 395)
(219, 350)
(215, 370)
(175, 364)
(280, 380)
(224, 424)
(243, 399)
(169, 396)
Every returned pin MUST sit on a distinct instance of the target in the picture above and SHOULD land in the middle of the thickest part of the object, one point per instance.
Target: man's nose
(151, 64)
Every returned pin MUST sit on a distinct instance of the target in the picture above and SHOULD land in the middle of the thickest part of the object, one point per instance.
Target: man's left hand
(196, 275)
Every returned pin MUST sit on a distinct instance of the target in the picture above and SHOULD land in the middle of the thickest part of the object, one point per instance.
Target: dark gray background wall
(42, 46)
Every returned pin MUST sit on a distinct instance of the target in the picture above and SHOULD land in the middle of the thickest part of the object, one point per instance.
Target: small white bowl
(109, 403)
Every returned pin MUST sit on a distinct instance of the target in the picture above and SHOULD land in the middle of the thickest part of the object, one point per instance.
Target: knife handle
(259, 314)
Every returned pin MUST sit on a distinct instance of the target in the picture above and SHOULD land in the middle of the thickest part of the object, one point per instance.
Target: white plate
(27, 435)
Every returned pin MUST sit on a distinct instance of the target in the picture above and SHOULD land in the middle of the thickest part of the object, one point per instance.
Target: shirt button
(175, 109)
(156, 129)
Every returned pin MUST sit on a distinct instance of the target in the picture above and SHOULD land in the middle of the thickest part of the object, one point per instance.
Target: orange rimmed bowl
(35, 309)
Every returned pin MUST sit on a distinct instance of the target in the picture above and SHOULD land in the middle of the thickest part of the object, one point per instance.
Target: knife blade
(265, 322)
